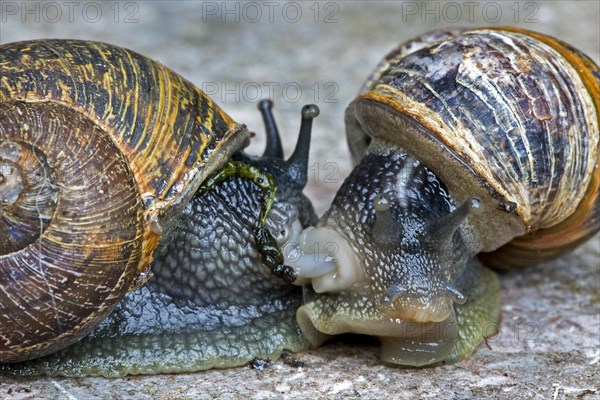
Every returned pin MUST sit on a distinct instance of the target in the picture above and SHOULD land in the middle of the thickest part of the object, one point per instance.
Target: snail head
(388, 259)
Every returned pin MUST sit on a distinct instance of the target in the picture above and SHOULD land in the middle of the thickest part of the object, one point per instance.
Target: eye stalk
(297, 165)
(298, 161)
(386, 230)
(291, 176)
(439, 232)
(274, 149)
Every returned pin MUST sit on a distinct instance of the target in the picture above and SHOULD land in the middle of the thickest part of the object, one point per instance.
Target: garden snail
(467, 141)
(398, 245)
(102, 152)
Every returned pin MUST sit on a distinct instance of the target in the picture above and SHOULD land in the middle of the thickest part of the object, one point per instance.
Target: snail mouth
(404, 341)
(403, 304)
(435, 309)
(414, 330)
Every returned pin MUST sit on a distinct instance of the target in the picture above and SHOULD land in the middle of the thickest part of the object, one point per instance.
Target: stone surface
(549, 344)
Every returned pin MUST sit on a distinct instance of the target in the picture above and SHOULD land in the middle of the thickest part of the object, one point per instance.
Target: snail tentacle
(387, 231)
(274, 148)
(297, 164)
(439, 231)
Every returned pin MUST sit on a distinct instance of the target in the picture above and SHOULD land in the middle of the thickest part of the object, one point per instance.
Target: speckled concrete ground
(549, 345)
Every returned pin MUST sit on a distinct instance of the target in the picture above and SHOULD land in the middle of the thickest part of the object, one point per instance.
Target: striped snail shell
(466, 141)
(100, 148)
(508, 116)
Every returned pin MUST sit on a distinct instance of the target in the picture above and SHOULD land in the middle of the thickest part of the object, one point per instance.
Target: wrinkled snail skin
(467, 141)
(102, 152)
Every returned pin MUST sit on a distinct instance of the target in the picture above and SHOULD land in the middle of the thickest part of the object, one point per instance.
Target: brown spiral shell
(99, 148)
(503, 114)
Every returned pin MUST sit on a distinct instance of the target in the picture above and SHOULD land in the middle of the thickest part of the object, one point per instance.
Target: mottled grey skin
(421, 292)
(210, 260)
(211, 302)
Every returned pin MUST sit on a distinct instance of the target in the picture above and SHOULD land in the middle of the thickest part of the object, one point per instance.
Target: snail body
(472, 142)
(102, 154)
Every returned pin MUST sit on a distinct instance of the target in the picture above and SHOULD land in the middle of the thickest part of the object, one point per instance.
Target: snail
(111, 162)
(470, 145)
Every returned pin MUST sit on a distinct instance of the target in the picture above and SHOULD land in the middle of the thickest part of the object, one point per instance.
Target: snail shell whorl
(506, 115)
(92, 240)
(99, 147)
